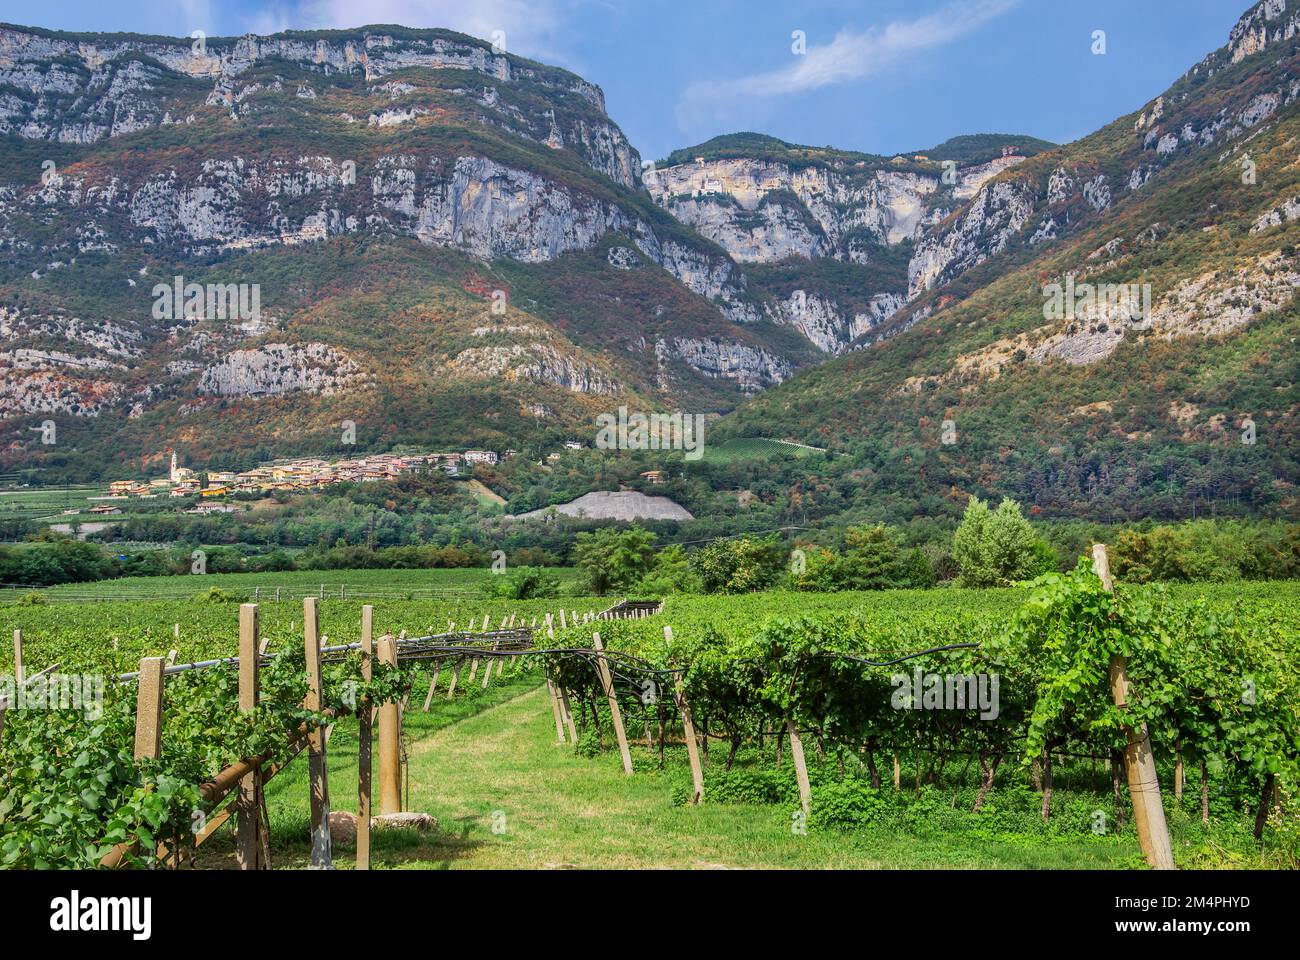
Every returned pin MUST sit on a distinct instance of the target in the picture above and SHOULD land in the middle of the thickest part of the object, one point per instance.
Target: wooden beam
(364, 740)
(390, 741)
(149, 709)
(322, 854)
(692, 745)
(607, 681)
(1139, 761)
(556, 710)
(248, 825)
(433, 685)
(19, 674)
(800, 767)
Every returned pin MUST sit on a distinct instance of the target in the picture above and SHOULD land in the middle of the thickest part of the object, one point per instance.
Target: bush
(614, 559)
(738, 565)
(524, 583)
(998, 548)
(845, 804)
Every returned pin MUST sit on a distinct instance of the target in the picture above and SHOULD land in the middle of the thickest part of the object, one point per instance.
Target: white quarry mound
(608, 505)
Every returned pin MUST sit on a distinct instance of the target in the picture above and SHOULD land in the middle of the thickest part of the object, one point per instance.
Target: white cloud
(850, 56)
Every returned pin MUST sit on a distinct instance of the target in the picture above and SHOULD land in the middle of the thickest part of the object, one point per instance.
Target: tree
(871, 559)
(614, 559)
(671, 574)
(995, 548)
(739, 565)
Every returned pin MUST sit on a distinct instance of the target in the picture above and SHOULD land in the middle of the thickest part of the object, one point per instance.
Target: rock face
(249, 156)
(1049, 199)
(766, 209)
(751, 368)
(279, 368)
(983, 229)
(760, 211)
(535, 362)
(73, 90)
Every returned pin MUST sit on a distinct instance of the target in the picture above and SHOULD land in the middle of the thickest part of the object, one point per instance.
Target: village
(301, 474)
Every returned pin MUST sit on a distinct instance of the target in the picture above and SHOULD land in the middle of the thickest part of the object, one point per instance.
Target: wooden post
(567, 712)
(19, 675)
(365, 739)
(607, 681)
(563, 623)
(433, 685)
(556, 710)
(455, 675)
(800, 767)
(149, 709)
(692, 745)
(473, 669)
(1139, 762)
(390, 741)
(322, 854)
(248, 824)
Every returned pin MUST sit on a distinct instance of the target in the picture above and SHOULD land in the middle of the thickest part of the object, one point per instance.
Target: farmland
(462, 583)
(888, 787)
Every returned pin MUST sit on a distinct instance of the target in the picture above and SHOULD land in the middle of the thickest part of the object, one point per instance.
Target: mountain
(448, 245)
(404, 229)
(1025, 361)
(826, 233)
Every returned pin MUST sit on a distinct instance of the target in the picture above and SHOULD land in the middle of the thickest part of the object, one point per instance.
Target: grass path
(507, 796)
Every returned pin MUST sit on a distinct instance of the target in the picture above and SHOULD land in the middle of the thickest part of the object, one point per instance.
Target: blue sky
(881, 76)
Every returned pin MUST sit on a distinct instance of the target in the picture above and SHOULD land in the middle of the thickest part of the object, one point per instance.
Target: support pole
(248, 824)
(800, 767)
(1139, 761)
(149, 709)
(322, 855)
(607, 681)
(390, 741)
(556, 710)
(692, 745)
(19, 674)
(365, 740)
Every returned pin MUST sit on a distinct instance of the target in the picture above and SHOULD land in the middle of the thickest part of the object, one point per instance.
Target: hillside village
(304, 473)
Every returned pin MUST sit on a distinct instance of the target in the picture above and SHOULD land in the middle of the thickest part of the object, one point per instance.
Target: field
(47, 503)
(889, 788)
(753, 448)
(460, 583)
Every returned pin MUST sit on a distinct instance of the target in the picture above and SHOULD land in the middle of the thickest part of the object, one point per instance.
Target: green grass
(48, 502)
(500, 765)
(420, 584)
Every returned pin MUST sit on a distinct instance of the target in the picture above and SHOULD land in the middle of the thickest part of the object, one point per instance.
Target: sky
(879, 76)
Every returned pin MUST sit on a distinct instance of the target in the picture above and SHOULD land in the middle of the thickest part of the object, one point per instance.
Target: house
(480, 456)
(214, 492)
(120, 487)
(653, 476)
(104, 509)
